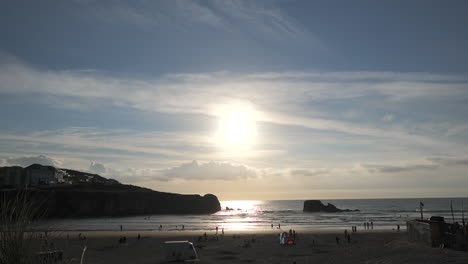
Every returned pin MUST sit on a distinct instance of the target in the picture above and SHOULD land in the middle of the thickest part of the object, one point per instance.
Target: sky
(242, 99)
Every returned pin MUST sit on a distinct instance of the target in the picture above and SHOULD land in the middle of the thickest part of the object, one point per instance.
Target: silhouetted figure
(372, 224)
(346, 233)
(121, 228)
(183, 227)
(337, 240)
(138, 238)
(205, 236)
(349, 238)
(271, 226)
(398, 228)
(222, 230)
(160, 227)
(279, 226)
(365, 225)
(216, 230)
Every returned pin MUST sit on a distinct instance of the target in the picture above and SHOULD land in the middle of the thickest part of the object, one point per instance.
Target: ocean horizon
(258, 215)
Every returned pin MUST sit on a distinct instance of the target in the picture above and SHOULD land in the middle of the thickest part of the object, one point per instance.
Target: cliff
(117, 200)
(318, 206)
(71, 193)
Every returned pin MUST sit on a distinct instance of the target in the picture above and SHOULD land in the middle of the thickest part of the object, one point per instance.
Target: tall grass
(17, 212)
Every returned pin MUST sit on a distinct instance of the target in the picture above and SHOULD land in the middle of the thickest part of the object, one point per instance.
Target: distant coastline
(67, 193)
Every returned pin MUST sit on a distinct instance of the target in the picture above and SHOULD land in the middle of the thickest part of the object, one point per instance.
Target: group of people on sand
(176, 227)
(279, 226)
(368, 225)
(123, 239)
(347, 237)
(222, 230)
(81, 237)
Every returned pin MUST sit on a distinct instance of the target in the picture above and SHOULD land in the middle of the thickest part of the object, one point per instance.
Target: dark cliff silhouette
(102, 197)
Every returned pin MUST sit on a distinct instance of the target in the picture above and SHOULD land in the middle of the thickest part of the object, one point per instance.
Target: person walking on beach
(279, 226)
(160, 227)
(271, 226)
(183, 227)
(398, 228)
(222, 231)
(216, 230)
(372, 225)
(337, 240)
(121, 228)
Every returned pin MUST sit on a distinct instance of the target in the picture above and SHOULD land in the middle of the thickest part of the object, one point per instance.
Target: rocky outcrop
(118, 200)
(318, 206)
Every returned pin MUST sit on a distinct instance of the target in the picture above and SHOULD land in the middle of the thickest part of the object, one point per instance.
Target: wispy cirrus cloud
(397, 169)
(278, 96)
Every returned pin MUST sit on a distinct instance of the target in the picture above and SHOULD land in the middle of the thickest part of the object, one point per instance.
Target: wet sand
(318, 246)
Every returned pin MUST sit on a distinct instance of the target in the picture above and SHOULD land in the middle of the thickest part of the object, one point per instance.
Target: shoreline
(191, 233)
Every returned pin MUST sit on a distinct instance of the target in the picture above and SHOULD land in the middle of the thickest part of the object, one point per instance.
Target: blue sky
(344, 99)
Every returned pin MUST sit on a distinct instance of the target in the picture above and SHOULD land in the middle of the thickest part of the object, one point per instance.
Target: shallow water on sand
(259, 215)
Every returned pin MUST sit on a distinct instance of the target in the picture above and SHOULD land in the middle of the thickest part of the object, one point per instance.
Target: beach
(313, 246)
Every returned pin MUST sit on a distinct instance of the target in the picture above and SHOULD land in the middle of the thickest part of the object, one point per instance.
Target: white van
(180, 251)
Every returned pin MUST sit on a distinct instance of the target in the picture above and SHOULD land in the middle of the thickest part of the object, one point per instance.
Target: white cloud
(309, 172)
(26, 161)
(210, 171)
(450, 161)
(97, 168)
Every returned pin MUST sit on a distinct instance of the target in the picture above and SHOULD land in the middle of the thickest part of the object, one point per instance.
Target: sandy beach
(318, 246)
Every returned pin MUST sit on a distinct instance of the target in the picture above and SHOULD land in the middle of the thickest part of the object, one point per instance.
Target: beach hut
(180, 251)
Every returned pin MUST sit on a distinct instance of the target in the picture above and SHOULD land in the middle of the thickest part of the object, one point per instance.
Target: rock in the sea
(318, 206)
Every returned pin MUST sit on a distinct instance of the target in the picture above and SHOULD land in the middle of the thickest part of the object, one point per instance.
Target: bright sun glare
(236, 130)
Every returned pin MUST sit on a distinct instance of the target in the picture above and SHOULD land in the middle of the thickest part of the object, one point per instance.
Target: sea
(253, 215)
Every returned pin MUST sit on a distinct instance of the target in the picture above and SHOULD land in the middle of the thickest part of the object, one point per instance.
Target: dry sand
(382, 247)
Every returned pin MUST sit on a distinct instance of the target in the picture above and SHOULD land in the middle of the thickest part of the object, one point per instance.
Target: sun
(237, 129)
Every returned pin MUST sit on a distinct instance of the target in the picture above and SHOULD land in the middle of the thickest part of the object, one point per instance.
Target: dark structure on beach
(318, 206)
(438, 233)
